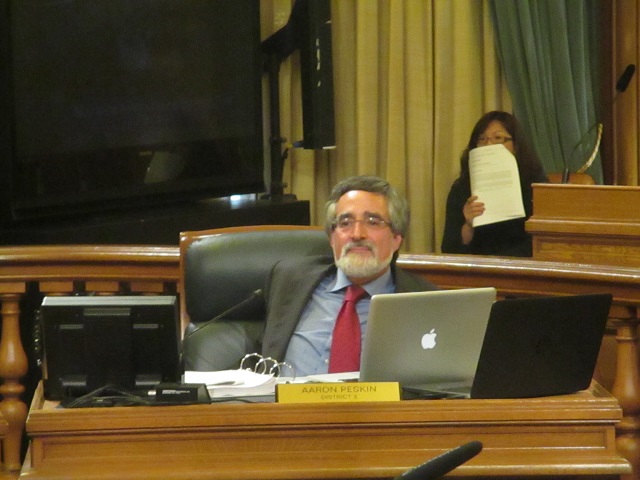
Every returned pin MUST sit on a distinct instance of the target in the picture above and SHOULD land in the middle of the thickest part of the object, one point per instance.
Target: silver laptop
(431, 339)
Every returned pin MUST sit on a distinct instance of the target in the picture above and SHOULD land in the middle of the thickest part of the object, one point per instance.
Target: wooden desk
(572, 435)
(109, 269)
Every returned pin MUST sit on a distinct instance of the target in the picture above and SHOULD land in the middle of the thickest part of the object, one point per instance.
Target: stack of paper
(233, 383)
(496, 181)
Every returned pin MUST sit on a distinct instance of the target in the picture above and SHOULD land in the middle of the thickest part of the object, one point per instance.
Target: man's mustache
(360, 244)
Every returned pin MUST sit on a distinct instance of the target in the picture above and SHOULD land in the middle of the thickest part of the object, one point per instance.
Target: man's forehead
(361, 195)
(360, 201)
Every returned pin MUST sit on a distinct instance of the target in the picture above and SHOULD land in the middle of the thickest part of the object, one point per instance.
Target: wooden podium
(592, 224)
(569, 436)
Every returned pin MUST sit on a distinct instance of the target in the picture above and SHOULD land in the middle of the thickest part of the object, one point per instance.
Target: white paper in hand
(495, 180)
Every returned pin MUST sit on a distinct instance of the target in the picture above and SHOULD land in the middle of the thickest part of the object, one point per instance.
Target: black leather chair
(220, 271)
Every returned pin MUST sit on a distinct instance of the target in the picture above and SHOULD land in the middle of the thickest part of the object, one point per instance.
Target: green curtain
(549, 50)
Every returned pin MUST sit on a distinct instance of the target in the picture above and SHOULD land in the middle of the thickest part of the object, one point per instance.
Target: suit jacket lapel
(306, 281)
(293, 294)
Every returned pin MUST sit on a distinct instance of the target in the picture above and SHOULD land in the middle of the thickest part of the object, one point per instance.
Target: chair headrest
(222, 270)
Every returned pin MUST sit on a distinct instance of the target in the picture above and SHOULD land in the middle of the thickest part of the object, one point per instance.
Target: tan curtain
(411, 78)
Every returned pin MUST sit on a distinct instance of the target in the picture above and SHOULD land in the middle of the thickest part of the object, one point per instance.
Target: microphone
(621, 86)
(238, 306)
(625, 78)
(443, 464)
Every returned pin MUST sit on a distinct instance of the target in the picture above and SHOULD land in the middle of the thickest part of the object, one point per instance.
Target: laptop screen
(425, 337)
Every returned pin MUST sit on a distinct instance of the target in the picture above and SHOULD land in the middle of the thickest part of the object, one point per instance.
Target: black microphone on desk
(443, 464)
(238, 306)
(621, 86)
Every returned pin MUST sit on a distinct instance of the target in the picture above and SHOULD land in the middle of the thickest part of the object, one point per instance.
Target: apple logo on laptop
(429, 339)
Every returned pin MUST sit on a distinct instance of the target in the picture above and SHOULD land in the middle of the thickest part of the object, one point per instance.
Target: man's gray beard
(355, 266)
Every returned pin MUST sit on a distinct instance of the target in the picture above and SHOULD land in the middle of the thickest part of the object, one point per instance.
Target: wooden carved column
(626, 389)
(13, 366)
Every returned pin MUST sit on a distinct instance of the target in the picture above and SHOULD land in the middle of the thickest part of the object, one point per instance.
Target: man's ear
(398, 239)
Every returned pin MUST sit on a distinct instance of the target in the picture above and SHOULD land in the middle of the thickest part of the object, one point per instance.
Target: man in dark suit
(366, 221)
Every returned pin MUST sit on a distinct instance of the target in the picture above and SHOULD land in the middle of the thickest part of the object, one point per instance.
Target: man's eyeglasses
(346, 224)
(493, 140)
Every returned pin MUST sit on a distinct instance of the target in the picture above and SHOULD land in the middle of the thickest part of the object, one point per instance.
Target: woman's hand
(471, 209)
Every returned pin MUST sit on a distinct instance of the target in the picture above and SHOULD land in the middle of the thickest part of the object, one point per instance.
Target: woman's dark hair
(528, 163)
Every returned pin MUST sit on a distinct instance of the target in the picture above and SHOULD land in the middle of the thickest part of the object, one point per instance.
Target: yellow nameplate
(338, 392)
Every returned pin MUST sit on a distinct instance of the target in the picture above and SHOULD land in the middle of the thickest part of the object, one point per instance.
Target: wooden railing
(58, 270)
(107, 269)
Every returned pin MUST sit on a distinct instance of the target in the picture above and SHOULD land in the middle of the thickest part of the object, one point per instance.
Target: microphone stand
(621, 86)
(221, 316)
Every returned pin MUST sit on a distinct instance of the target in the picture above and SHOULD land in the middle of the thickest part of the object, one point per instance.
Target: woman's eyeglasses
(493, 140)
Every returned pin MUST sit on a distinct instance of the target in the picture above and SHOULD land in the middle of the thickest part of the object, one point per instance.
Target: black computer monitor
(89, 342)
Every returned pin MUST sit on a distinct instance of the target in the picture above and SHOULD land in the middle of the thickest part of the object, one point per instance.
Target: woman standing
(507, 238)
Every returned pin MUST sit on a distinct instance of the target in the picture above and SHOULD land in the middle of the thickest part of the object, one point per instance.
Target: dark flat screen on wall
(120, 101)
